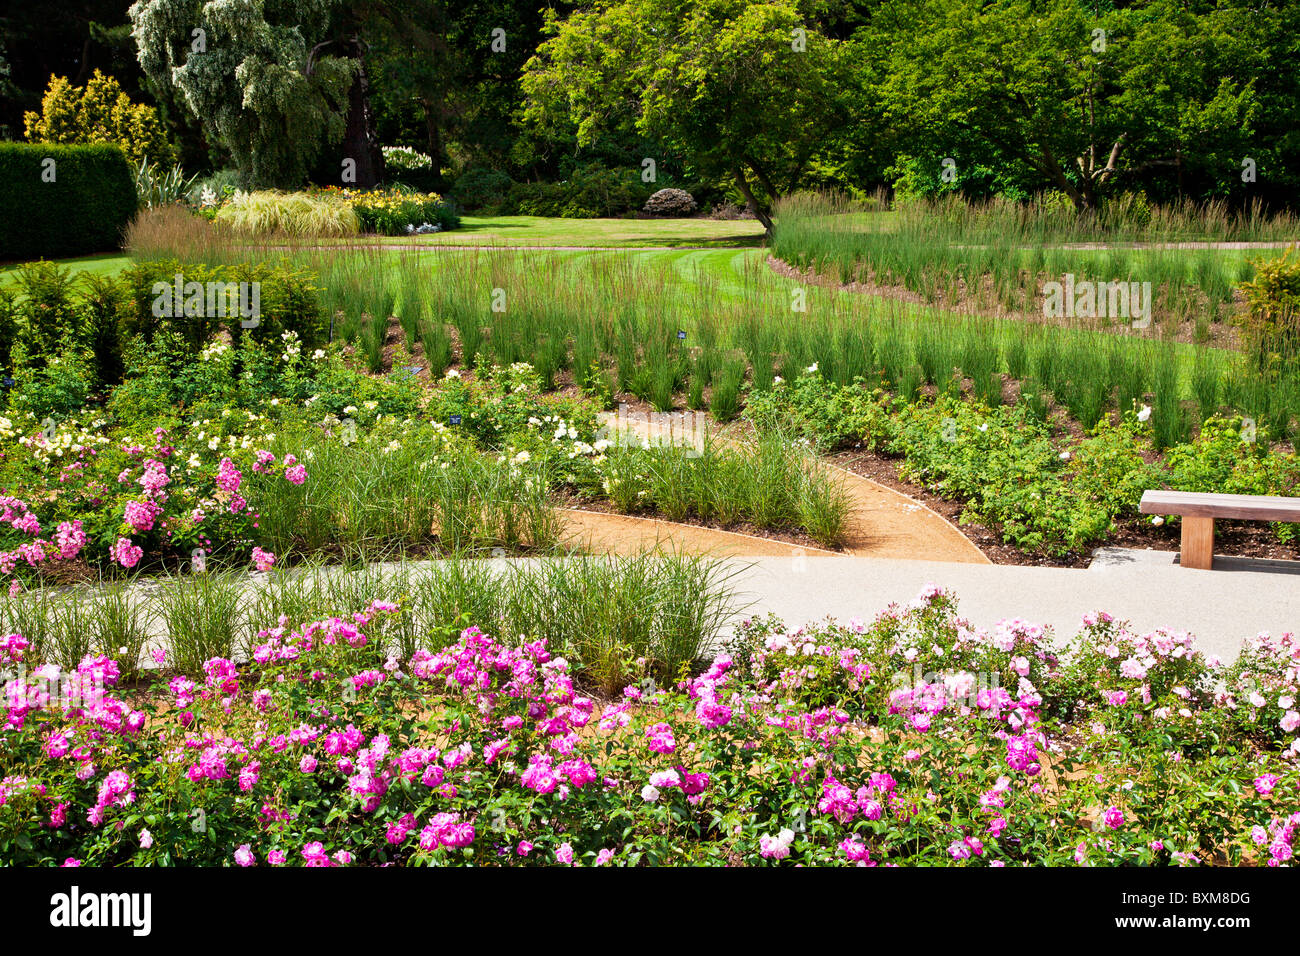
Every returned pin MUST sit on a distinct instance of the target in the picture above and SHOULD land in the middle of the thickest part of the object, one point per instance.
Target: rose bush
(799, 748)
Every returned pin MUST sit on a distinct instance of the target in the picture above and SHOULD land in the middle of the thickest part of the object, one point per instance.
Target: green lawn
(105, 263)
(524, 231)
(605, 233)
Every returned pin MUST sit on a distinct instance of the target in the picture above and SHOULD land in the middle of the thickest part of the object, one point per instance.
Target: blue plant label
(454, 419)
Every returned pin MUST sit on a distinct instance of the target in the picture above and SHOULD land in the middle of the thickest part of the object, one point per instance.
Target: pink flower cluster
(709, 710)
(446, 829)
(115, 791)
(125, 553)
(141, 515)
(294, 472)
(1279, 837)
(69, 537)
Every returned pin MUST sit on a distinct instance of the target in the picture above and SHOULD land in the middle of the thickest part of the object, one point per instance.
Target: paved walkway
(1220, 608)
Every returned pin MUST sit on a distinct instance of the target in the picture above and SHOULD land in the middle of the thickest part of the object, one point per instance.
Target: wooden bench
(1199, 509)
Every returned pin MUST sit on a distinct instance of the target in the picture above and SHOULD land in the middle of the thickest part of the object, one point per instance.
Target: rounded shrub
(670, 202)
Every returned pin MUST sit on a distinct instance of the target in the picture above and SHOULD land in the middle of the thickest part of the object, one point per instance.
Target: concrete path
(1220, 608)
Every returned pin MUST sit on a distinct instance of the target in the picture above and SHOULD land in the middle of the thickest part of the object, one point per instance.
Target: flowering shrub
(67, 543)
(504, 408)
(1263, 687)
(404, 158)
(911, 659)
(327, 750)
(1113, 665)
(121, 497)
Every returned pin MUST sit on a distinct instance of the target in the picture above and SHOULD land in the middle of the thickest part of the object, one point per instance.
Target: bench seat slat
(1197, 504)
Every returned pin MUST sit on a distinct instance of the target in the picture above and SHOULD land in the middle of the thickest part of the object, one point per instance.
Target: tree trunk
(753, 204)
(433, 130)
(1053, 169)
(360, 141)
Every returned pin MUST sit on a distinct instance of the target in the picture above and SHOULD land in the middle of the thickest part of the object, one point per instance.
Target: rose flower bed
(916, 739)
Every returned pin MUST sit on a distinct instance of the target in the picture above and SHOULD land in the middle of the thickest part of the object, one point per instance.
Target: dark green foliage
(85, 208)
(46, 309)
(479, 188)
(592, 191)
(289, 302)
(102, 306)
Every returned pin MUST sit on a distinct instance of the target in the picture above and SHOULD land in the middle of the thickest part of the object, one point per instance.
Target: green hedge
(84, 210)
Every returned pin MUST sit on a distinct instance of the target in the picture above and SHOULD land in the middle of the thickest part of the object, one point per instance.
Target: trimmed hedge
(84, 210)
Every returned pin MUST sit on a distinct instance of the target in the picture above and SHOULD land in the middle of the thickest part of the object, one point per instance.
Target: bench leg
(1198, 543)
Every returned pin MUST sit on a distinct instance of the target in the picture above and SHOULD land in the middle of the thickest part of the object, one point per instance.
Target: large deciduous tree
(748, 89)
(274, 81)
(1083, 99)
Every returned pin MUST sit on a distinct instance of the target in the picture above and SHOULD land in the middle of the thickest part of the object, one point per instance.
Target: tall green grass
(371, 493)
(986, 257)
(610, 321)
(202, 615)
(773, 484)
(617, 619)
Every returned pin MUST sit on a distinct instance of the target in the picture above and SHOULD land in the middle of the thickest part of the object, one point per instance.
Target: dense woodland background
(735, 100)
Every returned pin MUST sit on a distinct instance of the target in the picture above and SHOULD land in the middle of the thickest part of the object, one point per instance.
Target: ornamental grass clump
(267, 213)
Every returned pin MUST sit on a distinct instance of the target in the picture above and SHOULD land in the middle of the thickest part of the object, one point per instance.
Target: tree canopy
(750, 90)
(252, 71)
(1081, 100)
(740, 99)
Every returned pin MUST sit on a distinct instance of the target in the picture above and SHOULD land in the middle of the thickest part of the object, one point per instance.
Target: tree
(100, 112)
(40, 41)
(1082, 99)
(447, 77)
(274, 81)
(744, 88)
